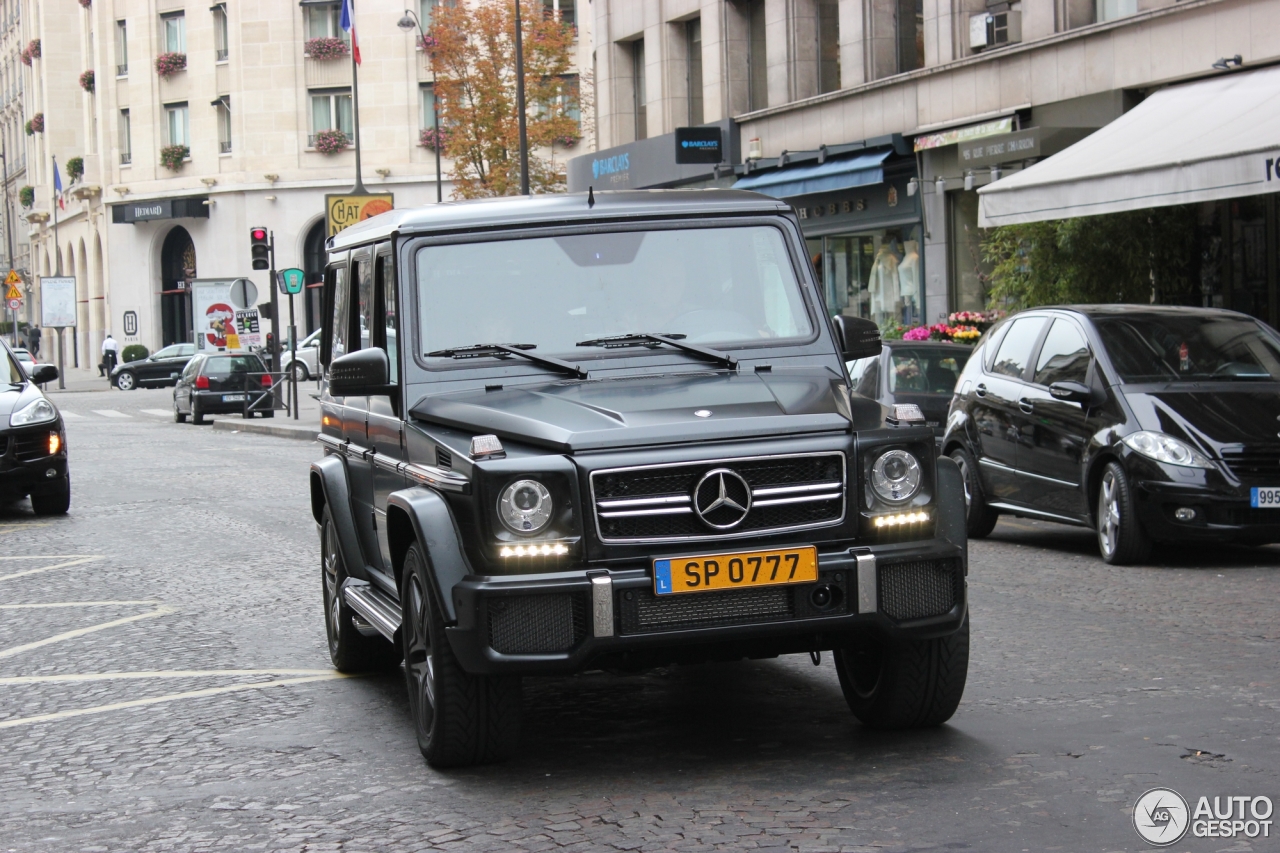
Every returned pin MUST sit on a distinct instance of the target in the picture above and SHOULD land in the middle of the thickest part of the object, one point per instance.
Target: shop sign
(995, 150)
(345, 210)
(964, 134)
(57, 301)
(130, 323)
(615, 169)
(699, 145)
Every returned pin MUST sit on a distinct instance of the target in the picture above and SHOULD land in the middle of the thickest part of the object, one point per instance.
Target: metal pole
(435, 107)
(358, 189)
(520, 117)
(62, 384)
(8, 221)
(293, 358)
(274, 349)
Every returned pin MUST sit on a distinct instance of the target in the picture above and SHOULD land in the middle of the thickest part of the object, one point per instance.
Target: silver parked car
(305, 366)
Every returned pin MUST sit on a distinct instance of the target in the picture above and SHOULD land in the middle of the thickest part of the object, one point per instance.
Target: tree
(473, 57)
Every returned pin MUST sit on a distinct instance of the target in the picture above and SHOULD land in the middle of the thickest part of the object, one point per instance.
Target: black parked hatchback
(33, 442)
(922, 373)
(219, 384)
(1147, 423)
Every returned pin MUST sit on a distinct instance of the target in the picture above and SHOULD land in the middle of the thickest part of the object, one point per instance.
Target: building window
(221, 41)
(426, 12)
(910, 35)
(563, 8)
(223, 108)
(427, 100)
(828, 45)
(693, 46)
(324, 22)
(174, 31)
(122, 49)
(637, 85)
(126, 139)
(1109, 10)
(330, 111)
(757, 61)
(177, 122)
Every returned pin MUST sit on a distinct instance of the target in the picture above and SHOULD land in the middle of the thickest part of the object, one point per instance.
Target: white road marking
(70, 604)
(111, 413)
(51, 556)
(159, 413)
(80, 632)
(172, 697)
(170, 673)
(71, 416)
(75, 562)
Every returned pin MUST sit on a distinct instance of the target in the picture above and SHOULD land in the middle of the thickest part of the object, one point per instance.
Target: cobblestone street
(164, 685)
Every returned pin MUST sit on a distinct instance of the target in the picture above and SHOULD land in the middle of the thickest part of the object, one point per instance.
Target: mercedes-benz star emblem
(722, 499)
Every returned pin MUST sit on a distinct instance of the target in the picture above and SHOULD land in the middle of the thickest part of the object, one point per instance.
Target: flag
(348, 24)
(57, 185)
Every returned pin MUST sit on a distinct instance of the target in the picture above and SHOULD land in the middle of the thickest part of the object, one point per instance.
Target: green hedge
(134, 352)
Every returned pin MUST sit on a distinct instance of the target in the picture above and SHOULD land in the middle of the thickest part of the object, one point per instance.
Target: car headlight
(35, 412)
(1166, 448)
(525, 506)
(895, 476)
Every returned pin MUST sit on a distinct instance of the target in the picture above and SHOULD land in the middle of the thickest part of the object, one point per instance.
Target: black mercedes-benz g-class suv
(615, 431)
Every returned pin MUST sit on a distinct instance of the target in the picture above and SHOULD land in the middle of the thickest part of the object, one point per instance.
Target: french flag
(57, 185)
(348, 24)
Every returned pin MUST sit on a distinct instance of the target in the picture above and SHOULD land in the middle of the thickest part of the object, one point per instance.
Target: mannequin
(909, 282)
(882, 284)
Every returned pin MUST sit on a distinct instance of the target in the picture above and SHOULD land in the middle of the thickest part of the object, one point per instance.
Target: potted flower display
(172, 156)
(31, 51)
(27, 196)
(169, 64)
(331, 141)
(434, 138)
(86, 81)
(428, 43)
(75, 168)
(326, 48)
(35, 124)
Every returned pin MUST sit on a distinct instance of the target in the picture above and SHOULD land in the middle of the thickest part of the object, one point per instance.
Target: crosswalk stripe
(110, 413)
(72, 416)
(159, 413)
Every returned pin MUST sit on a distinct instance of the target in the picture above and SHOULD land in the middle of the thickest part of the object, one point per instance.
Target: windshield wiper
(649, 338)
(506, 351)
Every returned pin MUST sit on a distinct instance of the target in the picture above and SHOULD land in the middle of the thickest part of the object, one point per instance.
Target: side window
(186, 350)
(192, 368)
(341, 299)
(385, 310)
(1064, 356)
(1015, 350)
(869, 385)
(362, 305)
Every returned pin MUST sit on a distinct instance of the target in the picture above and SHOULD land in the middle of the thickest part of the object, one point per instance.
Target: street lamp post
(8, 222)
(409, 21)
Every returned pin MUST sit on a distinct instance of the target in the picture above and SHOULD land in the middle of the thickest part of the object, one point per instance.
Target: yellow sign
(343, 211)
(13, 278)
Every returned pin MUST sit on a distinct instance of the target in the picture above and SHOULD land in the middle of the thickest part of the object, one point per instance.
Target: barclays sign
(657, 161)
(619, 163)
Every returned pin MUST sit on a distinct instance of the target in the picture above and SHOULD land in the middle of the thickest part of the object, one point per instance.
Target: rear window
(225, 365)
(925, 370)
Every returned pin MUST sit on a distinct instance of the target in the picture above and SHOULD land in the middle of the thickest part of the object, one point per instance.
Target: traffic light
(260, 248)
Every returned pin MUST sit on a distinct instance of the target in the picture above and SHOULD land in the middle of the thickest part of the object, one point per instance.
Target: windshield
(9, 372)
(710, 285)
(925, 370)
(1185, 347)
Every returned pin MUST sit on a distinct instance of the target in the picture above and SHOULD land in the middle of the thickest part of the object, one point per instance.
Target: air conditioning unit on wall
(992, 29)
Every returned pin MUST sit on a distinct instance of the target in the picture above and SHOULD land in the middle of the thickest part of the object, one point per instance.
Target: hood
(638, 410)
(14, 397)
(1212, 414)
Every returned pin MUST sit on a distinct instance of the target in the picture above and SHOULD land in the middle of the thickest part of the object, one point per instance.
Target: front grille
(646, 612)
(30, 446)
(1256, 462)
(536, 624)
(657, 502)
(919, 588)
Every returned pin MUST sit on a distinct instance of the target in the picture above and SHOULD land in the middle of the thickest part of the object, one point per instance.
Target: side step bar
(373, 606)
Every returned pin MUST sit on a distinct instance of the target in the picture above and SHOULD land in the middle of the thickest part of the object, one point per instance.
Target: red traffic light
(259, 234)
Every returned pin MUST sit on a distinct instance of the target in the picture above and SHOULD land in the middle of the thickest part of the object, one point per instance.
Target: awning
(856, 171)
(1197, 142)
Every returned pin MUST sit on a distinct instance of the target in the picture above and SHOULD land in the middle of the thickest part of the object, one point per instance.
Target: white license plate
(233, 398)
(1264, 497)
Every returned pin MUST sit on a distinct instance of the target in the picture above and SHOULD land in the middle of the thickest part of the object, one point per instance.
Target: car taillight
(266, 380)
(202, 383)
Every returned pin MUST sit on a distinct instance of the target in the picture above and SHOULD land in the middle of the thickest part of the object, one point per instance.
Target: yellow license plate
(735, 570)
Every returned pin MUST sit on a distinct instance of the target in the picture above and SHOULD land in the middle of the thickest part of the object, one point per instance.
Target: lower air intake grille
(536, 624)
(648, 612)
(31, 446)
(918, 589)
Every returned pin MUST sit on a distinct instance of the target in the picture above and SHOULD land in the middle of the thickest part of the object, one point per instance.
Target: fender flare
(951, 523)
(329, 487)
(433, 526)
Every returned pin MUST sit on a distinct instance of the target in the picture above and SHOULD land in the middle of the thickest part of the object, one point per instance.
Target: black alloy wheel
(1121, 538)
(350, 650)
(980, 519)
(460, 719)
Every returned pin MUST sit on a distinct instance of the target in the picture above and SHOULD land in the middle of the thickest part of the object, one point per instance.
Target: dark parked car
(1150, 424)
(613, 431)
(157, 370)
(220, 384)
(922, 373)
(33, 443)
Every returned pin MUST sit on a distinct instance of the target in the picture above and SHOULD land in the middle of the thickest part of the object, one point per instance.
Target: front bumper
(572, 621)
(1221, 514)
(23, 467)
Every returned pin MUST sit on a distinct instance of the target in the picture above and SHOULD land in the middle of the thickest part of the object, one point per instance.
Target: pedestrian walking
(33, 340)
(110, 351)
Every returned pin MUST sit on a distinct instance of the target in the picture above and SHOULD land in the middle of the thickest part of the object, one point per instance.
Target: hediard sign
(145, 211)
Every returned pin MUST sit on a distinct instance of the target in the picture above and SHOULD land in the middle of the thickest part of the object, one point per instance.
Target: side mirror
(43, 373)
(1072, 392)
(857, 337)
(360, 373)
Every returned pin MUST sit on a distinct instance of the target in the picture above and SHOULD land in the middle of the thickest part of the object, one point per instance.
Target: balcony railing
(122, 70)
(221, 54)
(125, 158)
(224, 147)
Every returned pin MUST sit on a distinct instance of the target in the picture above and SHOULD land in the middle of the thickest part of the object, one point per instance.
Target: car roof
(546, 209)
(1114, 309)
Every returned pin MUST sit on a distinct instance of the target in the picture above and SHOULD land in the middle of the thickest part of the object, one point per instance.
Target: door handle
(1026, 405)
(981, 390)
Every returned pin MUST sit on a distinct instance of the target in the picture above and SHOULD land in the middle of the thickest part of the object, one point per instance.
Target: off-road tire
(460, 719)
(349, 650)
(54, 502)
(980, 519)
(1121, 539)
(904, 684)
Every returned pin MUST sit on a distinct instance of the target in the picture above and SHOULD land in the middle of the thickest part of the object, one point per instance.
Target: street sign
(15, 304)
(57, 301)
(291, 280)
(13, 280)
(347, 210)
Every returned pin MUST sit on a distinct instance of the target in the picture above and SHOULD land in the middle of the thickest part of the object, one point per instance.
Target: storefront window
(875, 274)
(969, 271)
(1249, 292)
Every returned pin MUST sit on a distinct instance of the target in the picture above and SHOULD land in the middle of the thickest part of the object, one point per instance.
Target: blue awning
(857, 171)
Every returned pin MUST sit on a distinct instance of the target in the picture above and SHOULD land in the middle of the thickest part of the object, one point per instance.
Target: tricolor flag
(57, 185)
(348, 24)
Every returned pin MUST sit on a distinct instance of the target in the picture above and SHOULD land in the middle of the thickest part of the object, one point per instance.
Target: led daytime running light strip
(901, 518)
(556, 550)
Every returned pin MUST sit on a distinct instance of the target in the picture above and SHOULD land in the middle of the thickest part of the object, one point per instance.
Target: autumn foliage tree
(473, 58)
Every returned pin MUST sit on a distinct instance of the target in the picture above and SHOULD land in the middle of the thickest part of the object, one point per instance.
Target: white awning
(1201, 141)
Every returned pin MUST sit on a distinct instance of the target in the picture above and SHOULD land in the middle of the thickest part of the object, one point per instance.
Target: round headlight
(525, 506)
(895, 476)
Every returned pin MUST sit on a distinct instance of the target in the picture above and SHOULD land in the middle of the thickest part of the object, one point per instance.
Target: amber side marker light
(55, 443)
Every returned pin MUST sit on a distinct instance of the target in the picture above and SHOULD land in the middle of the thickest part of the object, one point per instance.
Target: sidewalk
(282, 425)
